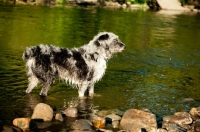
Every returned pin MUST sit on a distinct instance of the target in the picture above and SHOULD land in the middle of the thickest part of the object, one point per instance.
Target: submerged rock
(42, 111)
(82, 125)
(134, 120)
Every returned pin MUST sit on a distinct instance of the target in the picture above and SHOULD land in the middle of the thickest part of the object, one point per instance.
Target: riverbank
(174, 5)
(83, 118)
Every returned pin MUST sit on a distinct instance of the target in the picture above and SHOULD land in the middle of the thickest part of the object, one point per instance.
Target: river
(159, 69)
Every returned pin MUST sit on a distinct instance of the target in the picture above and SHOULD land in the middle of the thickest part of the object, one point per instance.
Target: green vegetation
(183, 2)
(137, 1)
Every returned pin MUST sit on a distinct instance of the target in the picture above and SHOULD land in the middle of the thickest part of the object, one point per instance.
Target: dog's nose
(123, 45)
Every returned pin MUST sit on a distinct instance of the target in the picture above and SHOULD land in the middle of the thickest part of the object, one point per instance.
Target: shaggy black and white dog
(82, 66)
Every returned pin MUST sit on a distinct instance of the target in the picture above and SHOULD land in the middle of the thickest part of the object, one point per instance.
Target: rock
(181, 118)
(22, 123)
(88, 2)
(115, 124)
(71, 112)
(168, 118)
(186, 100)
(114, 117)
(99, 122)
(42, 111)
(43, 125)
(172, 127)
(134, 120)
(59, 117)
(153, 4)
(11, 129)
(105, 130)
(166, 5)
(197, 126)
(195, 113)
(102, 113)
(81, 125)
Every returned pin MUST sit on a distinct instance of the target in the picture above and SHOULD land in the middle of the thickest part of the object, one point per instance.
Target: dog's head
(110, 43)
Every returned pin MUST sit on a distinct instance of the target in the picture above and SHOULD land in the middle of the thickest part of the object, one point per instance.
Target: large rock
(134, 120)
(166, 5)
(42, 111)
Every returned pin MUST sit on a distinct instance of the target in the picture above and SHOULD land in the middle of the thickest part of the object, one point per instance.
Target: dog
(82, 66)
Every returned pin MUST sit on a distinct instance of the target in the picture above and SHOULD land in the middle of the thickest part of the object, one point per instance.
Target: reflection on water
(158, 69)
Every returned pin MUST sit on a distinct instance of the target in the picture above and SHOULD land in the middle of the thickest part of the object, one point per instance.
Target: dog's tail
(28, 53)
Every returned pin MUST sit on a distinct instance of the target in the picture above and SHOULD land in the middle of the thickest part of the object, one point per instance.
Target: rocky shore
(82, 118)
(192, 5)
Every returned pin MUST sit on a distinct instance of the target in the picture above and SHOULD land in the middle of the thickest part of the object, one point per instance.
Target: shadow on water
(158, 70)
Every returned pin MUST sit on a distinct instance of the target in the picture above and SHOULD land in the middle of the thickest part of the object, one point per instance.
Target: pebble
(59, 117)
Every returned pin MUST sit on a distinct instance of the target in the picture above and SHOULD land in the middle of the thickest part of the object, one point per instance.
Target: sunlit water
(158, 70)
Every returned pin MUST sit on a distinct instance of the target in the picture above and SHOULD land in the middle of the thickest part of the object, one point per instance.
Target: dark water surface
(158, 70)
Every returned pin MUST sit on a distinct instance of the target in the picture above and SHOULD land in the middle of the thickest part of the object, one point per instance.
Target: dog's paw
(43, 94)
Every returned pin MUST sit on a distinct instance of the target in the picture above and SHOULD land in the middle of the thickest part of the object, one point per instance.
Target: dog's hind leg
(91, 89)
(33, 81)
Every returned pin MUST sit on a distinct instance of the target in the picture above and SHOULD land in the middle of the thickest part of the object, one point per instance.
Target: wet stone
(167, 118)
(172, 127)
(99, 122)
(182, 114)
(22, 123)
(115, 124)
(102, 113)
(197, 126)
(185, 100)
(195, 112)
(42, 111)
(113, 117)
(12, 129)
(161, 130)
(134, 119)
(59, 117)
(43, 125)
(181, 118)
(71, 112)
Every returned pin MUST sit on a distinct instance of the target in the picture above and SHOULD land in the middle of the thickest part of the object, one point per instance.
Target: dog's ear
(104, 37)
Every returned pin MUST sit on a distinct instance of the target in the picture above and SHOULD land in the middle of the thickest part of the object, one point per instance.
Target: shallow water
(158, 70)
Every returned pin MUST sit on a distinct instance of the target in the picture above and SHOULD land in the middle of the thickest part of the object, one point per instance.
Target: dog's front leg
(45, 89)
(82, 89)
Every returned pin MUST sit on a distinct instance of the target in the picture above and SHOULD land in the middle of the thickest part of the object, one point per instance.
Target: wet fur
(82, 66)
